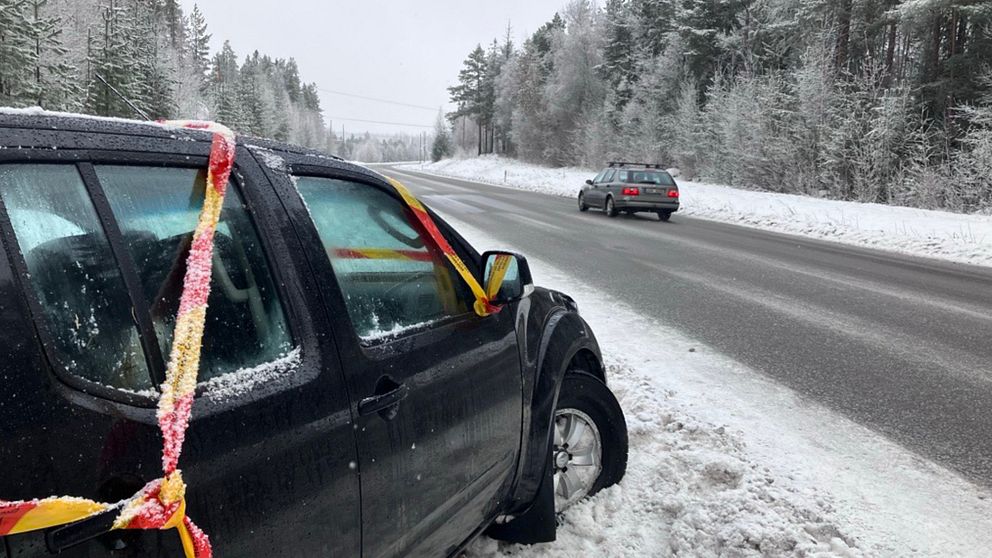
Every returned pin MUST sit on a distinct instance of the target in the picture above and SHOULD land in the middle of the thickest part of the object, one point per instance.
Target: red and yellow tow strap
(483, 305)
(160, 504)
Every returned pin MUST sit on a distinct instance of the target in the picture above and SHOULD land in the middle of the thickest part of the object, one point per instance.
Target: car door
(592, 192)
(438, 388)
(98, 240)
(603, 187)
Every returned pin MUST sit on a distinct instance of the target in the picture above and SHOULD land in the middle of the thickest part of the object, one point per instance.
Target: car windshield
(660, 178)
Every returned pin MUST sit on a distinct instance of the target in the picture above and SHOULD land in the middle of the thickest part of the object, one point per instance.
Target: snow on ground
(724, 462)
(951, 236)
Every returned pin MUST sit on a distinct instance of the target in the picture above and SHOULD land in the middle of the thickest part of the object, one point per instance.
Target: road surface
(900, 344)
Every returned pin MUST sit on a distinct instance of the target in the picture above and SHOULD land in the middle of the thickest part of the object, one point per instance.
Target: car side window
(609, 176)
(599, 177)
(157, 210)
(624, 176)
(392, 276)
(72, 271)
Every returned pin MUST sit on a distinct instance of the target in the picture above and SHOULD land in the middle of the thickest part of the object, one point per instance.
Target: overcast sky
(406, 51)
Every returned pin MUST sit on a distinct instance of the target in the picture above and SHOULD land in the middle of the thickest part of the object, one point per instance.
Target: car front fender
(563, 340)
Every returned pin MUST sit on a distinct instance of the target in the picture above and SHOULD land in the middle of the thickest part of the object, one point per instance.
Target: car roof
(38, 119)
(639, 169)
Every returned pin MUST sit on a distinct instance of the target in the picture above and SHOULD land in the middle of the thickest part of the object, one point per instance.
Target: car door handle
(384, 403)
(63, 537)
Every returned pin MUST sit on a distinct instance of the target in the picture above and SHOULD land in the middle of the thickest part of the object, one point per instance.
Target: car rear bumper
(636, 205)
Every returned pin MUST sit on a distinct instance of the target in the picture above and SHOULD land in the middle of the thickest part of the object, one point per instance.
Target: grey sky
(407, 51)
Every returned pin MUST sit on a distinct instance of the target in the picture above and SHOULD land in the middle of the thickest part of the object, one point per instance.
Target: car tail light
(673, 193)
(631, 191)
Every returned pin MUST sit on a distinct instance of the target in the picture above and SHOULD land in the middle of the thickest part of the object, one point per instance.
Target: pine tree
(172, 15)
(252, 98)
(441, 146)
(281, 116)
(703, 25)
(471, 94)
(111, 50)
(56, 79)
(198, 41)
(618, 67)
(224, 85)
(18, 57)
(151, 69)
(291, 77)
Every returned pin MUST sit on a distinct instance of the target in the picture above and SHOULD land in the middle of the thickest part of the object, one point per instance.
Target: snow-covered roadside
(726, 463)
(939, 234)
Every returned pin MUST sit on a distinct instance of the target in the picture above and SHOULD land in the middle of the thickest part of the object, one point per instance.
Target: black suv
(350, 402)
(631, 188)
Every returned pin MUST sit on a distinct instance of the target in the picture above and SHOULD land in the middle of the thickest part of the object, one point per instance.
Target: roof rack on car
(613, 164)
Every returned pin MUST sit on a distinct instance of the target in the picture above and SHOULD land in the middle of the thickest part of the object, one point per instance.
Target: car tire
(582, 202)
(611, 209)
(590, 423)
(664, 215)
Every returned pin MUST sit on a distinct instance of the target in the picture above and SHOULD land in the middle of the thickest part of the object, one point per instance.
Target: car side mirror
(507, 276)
(589, 181)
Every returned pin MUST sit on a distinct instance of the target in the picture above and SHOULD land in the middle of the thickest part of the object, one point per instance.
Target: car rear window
(157, 210)
(660, 178)
(84, 301)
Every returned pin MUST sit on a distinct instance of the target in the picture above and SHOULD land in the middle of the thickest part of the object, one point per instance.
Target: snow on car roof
(135, 127)
(38, 111)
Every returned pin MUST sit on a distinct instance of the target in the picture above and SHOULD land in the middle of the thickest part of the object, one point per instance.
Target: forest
(886, 101)
(71, 56)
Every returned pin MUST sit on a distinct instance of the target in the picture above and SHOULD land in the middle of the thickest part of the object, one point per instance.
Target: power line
(378, 122)
(376, 99)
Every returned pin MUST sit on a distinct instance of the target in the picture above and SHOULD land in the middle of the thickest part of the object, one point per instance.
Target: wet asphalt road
(902, 345)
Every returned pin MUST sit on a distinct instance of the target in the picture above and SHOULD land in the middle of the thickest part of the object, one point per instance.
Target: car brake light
(673, 193)
(631, 191)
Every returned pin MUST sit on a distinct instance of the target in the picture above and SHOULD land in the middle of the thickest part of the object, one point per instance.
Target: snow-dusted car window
(157, 211)
(74, 275)
(390, 278)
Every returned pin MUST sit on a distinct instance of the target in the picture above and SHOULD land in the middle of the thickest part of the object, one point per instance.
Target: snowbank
(724, 462)
(939, 234)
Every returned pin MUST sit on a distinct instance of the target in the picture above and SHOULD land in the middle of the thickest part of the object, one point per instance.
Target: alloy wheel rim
(577, 456)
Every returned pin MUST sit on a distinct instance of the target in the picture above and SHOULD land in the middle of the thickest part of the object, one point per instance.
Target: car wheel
(590, 439)
(582, 202)
(611, 210)
(664, 215)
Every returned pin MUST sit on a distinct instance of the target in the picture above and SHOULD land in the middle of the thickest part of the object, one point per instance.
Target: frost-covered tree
(618, 68)
(854, 99)
(257, 104)
(971, 184)
(110, 54)
(197, 41)
(18, 58)
(573, 90)
(59, 54)
(56, 85)
(368, 151)
(441, 146)
(35, 68)
(224, 88)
